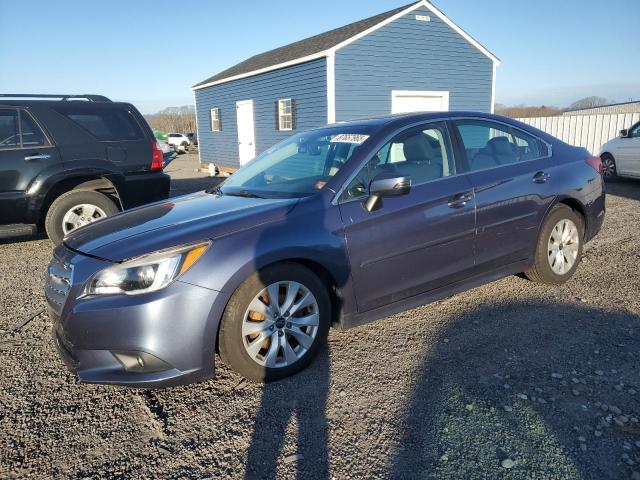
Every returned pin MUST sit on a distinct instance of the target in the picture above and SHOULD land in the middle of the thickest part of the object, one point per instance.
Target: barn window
(216, 123)
(286, 114)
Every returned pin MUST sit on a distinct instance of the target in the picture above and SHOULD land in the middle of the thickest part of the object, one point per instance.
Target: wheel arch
(96, 183)
(574, 205)
(314, 266)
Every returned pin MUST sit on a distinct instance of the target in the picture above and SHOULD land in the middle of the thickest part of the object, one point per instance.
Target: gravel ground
(510, 380)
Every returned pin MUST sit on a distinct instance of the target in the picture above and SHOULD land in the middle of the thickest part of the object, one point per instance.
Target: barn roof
(318, 45)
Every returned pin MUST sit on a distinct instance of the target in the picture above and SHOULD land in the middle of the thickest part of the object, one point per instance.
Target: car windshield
(300, 166)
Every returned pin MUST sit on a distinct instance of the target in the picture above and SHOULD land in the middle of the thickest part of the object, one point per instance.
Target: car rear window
(32, 136)
(9, 130)
(109, 125)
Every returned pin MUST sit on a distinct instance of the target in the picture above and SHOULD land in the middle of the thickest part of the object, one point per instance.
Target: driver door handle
(541, 177)
(460, 200)
(37, 156)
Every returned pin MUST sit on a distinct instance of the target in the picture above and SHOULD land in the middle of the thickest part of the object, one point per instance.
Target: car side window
(490, 144)
(423, 153)
(635, 131)
(9, 129)
(104, 124)
(32, 136)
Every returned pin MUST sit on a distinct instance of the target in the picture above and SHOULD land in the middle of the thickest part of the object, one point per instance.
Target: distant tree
(588, 102)
(524, 111)
(174, 119)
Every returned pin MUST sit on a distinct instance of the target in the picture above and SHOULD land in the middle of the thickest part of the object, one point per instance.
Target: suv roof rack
(91, 98)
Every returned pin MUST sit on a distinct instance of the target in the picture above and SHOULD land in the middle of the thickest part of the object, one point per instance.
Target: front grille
(58, 283)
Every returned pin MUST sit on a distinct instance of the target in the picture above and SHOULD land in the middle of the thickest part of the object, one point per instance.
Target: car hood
(174, 222)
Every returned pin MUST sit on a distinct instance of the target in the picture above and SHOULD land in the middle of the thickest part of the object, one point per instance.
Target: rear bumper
(595, 213)
(144, 188)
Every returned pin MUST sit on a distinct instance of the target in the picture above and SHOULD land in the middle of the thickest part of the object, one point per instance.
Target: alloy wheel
(280, 324)
(609, 167)
(563, 246)
(80, 215)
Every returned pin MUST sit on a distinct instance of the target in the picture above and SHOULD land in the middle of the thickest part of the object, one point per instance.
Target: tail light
(596, 163)
(157, 159)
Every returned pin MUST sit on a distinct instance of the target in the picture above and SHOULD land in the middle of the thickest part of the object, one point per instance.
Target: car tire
(610, 173)
(72, 201)
(559, 247)
(250, 354)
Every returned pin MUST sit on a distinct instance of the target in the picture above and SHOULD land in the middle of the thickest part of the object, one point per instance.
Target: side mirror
(624, 133)
(386, 185)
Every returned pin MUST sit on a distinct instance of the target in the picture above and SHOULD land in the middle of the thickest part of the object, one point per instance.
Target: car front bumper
(171, 333)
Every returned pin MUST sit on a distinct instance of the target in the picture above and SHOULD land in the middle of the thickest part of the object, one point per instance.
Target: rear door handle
(541, 177)
(460, 200)
(38, 156)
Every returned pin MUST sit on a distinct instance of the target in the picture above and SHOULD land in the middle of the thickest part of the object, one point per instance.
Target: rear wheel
(75, 209)
(559, 247)
(275, 323)
(610, 171)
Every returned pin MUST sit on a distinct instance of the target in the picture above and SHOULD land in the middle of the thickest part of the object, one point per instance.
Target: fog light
(140, 362)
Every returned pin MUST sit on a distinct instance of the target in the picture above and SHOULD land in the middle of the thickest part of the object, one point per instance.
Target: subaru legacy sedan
(336, 226)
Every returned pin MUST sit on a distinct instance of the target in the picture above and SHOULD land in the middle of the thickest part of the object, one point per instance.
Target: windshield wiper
(242, 193)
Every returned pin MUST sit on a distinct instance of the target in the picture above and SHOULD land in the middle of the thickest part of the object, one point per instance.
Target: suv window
(635, 131)
(9, 130)
(490, 144)
(105, 124)
(32, 136)
(10, 125)
(423, 153)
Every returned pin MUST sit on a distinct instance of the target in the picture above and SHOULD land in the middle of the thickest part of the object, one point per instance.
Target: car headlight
(147, 273)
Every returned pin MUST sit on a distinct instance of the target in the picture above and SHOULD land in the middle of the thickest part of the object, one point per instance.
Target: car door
(417, 242)
(628, 154)
(25, 151)
(512, 174)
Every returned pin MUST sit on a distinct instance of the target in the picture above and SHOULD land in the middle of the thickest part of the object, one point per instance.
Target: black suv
(68, 160)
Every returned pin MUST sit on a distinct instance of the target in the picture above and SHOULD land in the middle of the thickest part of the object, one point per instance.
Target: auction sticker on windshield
(356, 138)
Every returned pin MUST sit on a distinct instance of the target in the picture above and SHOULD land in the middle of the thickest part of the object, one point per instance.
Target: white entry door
(407, 101)
(246, 131)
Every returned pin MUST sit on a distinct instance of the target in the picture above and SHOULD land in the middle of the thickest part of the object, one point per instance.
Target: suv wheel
(75, 209)
(275, 323)
(610, 172)
(559, 247)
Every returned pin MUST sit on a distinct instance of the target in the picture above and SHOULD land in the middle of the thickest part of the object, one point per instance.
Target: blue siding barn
(412, 58)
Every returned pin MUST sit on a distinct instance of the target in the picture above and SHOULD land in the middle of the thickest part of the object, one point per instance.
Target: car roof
(50, 103)
(410, 118)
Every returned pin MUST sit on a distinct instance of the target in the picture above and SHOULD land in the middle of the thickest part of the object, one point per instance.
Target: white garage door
(407, 101)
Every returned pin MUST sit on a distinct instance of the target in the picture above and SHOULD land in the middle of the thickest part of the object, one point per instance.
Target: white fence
(588, 131)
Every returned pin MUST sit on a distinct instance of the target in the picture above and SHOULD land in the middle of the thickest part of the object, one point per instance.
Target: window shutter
(294, 115)
(277, 110)
(211, 119)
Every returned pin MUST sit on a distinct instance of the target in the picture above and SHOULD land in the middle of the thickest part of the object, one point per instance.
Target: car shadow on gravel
(526, 389)
(23, 238)
(301, 399)
(628, 188)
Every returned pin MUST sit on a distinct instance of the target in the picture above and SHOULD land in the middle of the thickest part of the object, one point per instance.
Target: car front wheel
(559, 247)
(275, 323)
